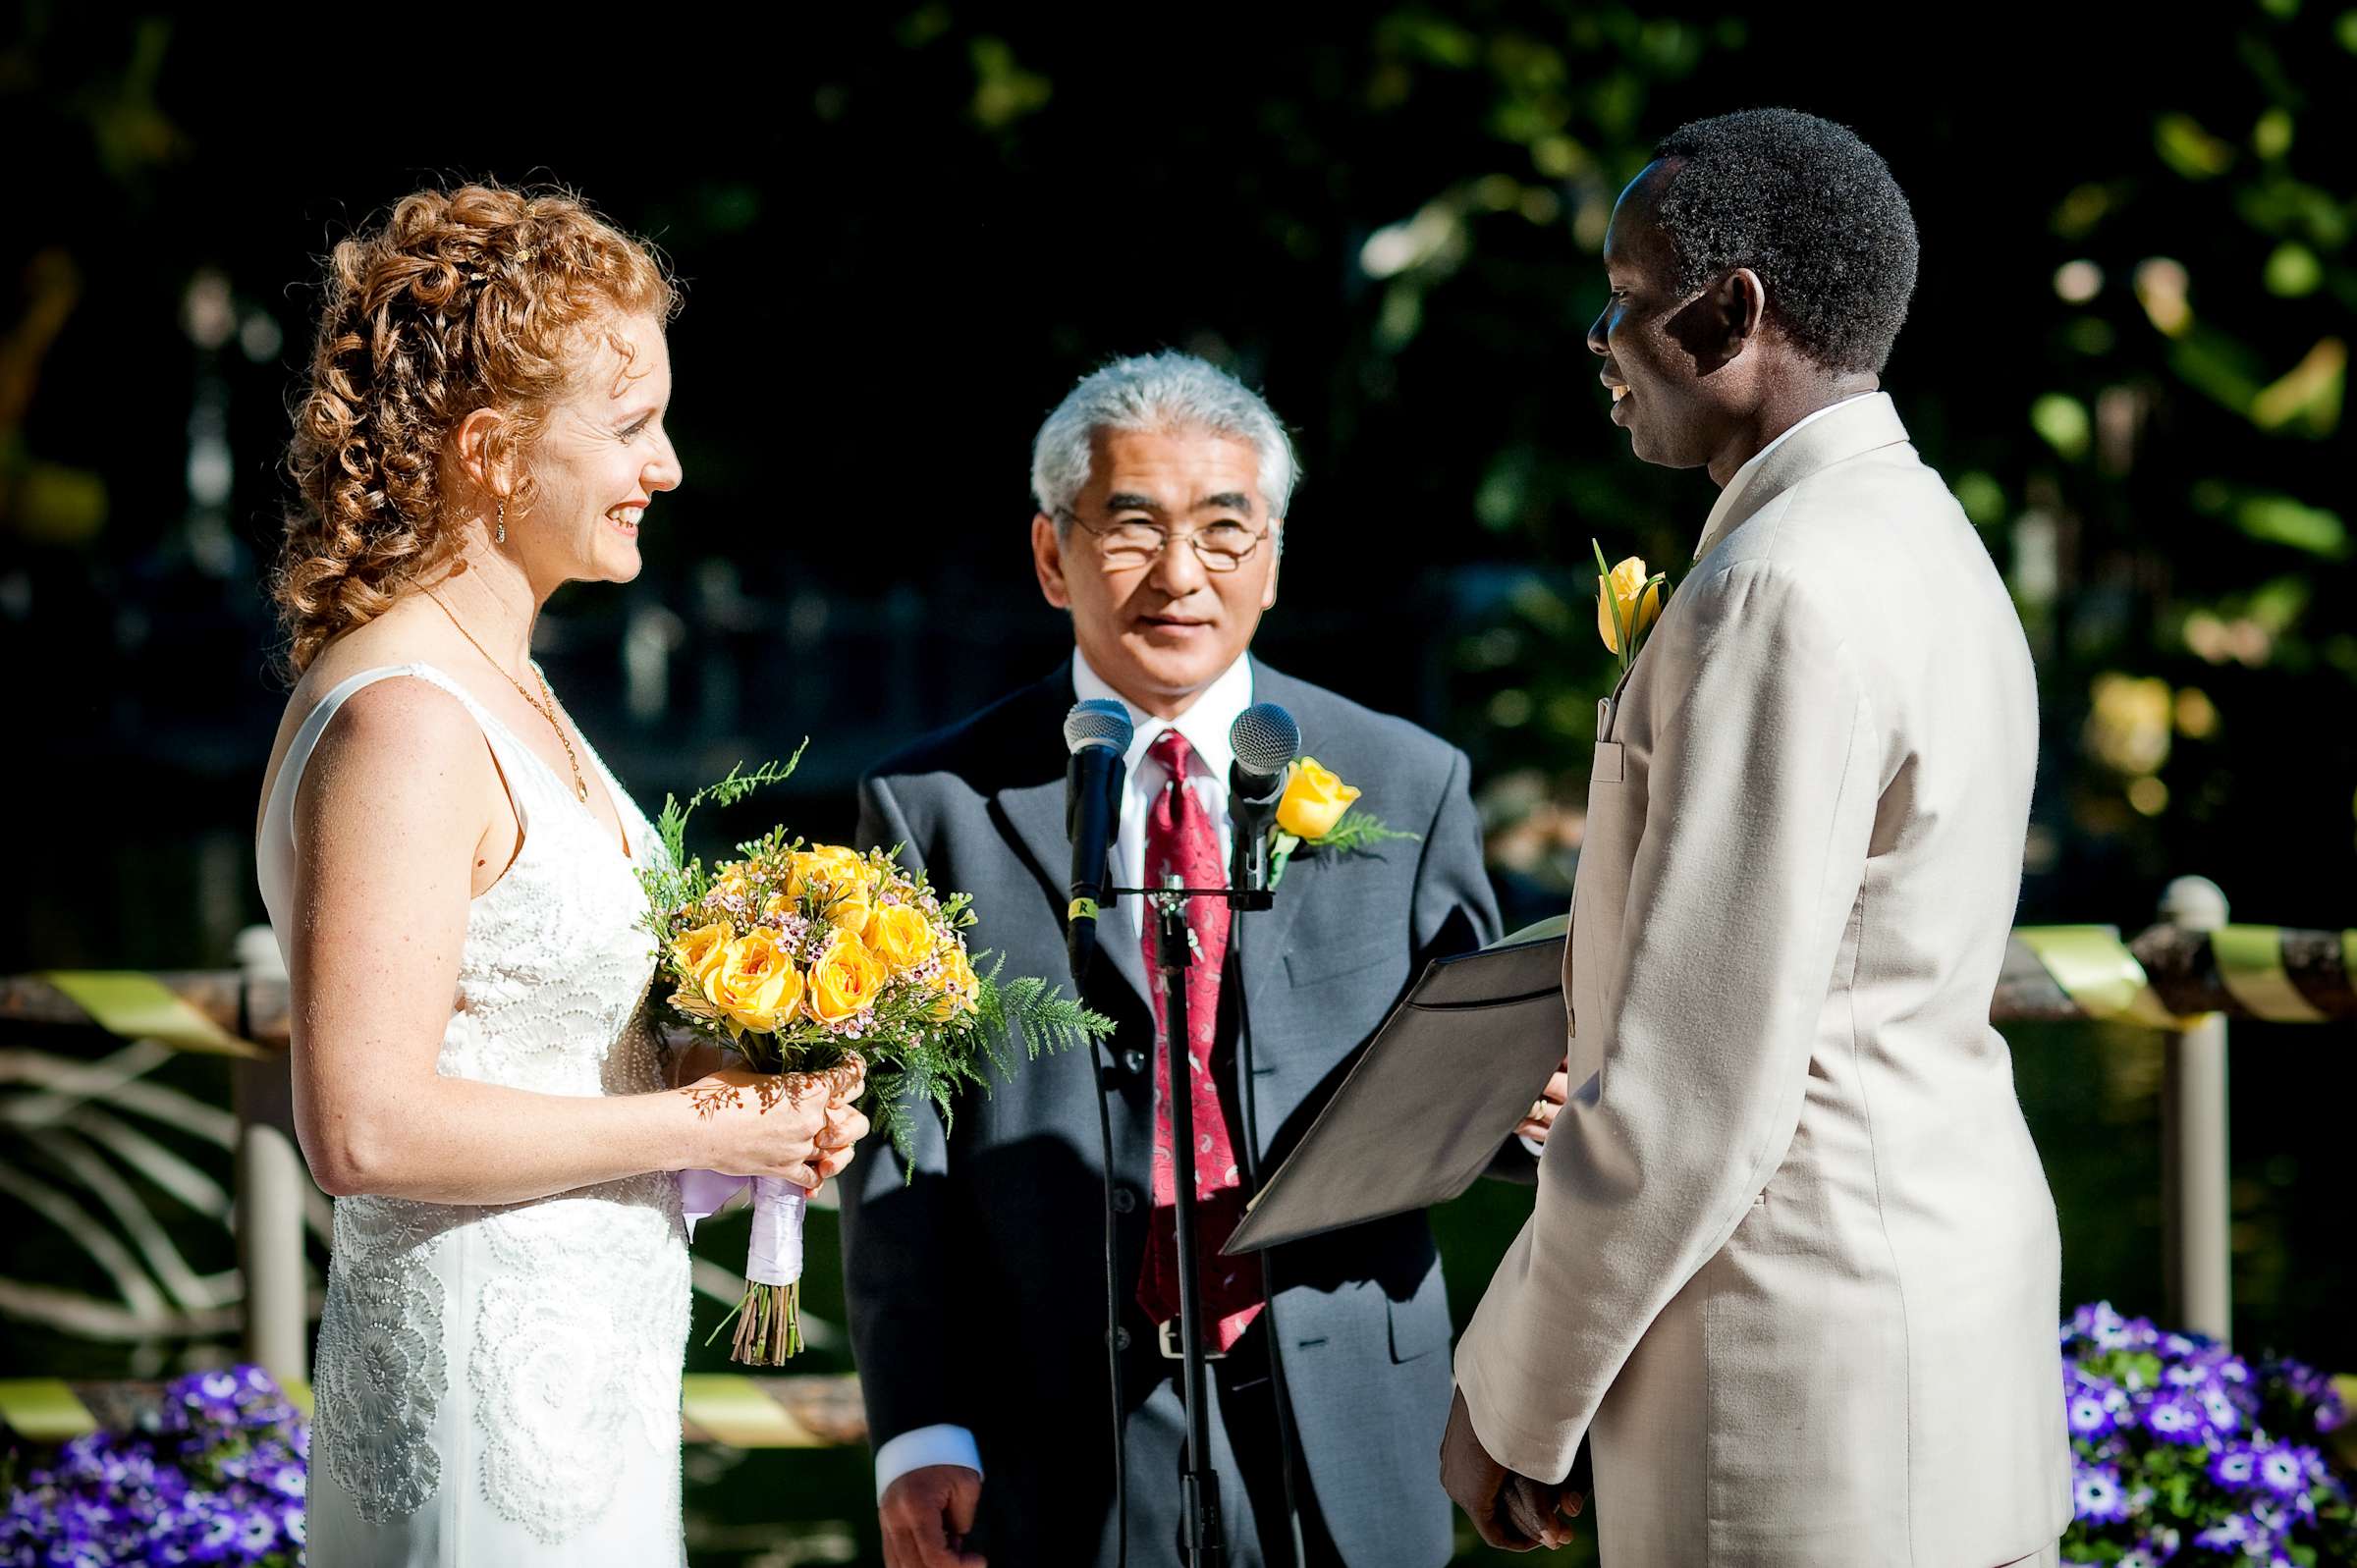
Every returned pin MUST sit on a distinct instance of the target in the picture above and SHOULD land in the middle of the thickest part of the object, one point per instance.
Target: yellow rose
(825, 870)
(733, 886)
(756, 985)
(851, 912)
(1314, 800)
(901, 936)
(960, 992)
(697, 951)
(1617, 597)
(845, 981)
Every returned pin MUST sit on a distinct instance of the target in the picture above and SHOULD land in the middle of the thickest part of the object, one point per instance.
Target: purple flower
(2099, 1497)
(2222, 1411)
(2088, 1417)
(2100, 1323)
(2229, 1534)
(2138, 1557)
(257, 1532)
(2236, 1468)
(2175, 1421)
(2283, 1470)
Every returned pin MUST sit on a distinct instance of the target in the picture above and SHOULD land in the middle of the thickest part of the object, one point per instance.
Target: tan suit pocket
(1599, 892)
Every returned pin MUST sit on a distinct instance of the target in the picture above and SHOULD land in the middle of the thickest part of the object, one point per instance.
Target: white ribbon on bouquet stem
(775, 1254)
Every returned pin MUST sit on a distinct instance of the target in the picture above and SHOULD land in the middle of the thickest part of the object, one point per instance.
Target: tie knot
(1170, 748)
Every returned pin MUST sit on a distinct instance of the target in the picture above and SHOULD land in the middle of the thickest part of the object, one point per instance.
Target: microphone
(1097, 733)
(1266, 739)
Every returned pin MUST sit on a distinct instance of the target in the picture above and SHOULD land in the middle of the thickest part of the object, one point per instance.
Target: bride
(449, 869)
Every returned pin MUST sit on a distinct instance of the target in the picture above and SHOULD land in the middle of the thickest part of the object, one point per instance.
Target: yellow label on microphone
(1082, 910)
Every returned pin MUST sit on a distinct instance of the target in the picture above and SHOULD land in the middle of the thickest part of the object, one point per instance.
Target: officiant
(977, 1280)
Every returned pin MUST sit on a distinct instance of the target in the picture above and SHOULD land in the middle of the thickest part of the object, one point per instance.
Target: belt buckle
(1172, 1351)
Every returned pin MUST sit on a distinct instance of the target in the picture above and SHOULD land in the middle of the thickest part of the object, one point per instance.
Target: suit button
(1124, 1199)
(1134, 1059)
(1121, 1340)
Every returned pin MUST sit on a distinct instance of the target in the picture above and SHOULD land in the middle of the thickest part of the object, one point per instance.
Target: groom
(1793, 1269)
(978, 1288)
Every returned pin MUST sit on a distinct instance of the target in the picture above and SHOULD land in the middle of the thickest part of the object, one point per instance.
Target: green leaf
(2062, 421)
(2189, 149)
(2279, 519)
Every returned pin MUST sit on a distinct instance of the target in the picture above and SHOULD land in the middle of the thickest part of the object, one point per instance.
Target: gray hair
(1157, 391)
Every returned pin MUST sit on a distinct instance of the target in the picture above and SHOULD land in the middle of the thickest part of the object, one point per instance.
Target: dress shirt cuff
(1536, 1148)
(943, 1445)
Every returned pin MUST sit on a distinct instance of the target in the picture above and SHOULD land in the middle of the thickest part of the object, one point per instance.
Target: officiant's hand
(1512, 1511)
(1543, 1109)
(927, 1514)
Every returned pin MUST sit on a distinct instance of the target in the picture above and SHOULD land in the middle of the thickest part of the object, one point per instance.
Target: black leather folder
(1437, 1093)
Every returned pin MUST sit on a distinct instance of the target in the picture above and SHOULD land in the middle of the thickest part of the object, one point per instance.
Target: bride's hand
(799, 1127)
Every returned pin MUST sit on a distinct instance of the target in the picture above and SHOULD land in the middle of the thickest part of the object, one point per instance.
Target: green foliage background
(906, 230)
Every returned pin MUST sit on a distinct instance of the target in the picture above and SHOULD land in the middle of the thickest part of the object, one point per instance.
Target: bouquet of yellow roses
(817, 959)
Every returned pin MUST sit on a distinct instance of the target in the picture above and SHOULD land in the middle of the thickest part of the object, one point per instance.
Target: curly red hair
(479, 296)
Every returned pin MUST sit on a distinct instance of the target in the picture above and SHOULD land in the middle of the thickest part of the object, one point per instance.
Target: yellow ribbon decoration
(135, 1005)
(43, 1410)
(2096, 970)
(733, 1410)
(2250, 960)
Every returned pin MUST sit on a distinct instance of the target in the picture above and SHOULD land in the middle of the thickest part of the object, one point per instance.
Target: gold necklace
(548, 711)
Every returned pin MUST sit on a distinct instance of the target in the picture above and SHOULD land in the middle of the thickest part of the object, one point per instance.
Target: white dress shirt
(1734, 487)
(1205, 726)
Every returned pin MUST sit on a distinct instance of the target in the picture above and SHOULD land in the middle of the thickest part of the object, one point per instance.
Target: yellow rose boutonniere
(1319, 810)
(1627, 604)
(845, 980)
(1314, 800)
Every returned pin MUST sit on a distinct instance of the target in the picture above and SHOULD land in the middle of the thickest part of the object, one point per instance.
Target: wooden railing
(2186, 976)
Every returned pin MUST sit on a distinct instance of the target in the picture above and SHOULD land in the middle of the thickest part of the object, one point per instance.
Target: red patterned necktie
(1180, 838)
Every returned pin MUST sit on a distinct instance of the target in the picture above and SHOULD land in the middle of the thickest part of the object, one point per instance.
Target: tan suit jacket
(1794, 1268)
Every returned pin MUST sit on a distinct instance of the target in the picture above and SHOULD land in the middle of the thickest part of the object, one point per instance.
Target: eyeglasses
(1126, 546)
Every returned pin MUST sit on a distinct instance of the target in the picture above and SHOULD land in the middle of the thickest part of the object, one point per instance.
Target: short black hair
(1808, 206)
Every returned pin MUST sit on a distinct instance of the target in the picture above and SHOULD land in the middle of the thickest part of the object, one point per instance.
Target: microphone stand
(1204, 1542)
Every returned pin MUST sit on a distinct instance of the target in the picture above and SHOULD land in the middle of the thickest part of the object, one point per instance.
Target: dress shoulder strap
(274, 847)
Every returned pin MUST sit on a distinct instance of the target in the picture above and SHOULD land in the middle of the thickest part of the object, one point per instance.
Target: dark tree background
(906, 231)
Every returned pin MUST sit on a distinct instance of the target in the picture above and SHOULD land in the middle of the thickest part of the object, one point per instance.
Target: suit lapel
(1264, 942)
(1036, 813)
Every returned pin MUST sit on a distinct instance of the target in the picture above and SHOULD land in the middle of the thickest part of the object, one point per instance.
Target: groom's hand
(926, 1515)
(1510, 1511)
(1542, 1111)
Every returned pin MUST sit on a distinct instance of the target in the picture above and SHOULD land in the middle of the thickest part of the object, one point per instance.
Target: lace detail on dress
(576, 1348)
(380, 1376)
(568, 1315)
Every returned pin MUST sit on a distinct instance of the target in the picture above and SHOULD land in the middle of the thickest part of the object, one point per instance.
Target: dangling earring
(499, 530)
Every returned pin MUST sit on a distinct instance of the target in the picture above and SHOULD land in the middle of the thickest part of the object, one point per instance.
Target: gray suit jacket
(1795, 1266)
(977, 1290)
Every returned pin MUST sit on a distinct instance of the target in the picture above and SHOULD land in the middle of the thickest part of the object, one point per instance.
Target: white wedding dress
(500, 1383)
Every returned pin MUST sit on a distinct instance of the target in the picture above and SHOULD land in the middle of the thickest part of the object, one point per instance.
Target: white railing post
(2195, 1244)
(270, 1182)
